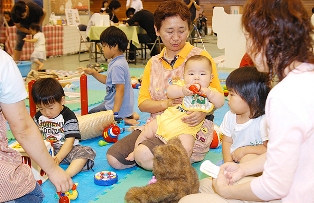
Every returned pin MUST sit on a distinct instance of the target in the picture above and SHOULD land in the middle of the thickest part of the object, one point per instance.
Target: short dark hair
(129, 12)
(171, 8)
(200, 58)
(114, 4)
(47, 91)
(113, 36)
(18, 9)
(34, 26)
(252, 86)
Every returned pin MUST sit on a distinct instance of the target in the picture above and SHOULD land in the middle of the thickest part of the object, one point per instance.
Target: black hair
(18, 9)
(252, 86)
(34, 26)
(114, 4)
(103, 3)
(129, 11)
(47, 91)
(113, 36)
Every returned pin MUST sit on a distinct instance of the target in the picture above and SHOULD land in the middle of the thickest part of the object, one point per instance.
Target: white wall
(230, 36)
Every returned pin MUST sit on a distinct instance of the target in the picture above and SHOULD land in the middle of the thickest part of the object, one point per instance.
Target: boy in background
(59, 125)
(120, 96)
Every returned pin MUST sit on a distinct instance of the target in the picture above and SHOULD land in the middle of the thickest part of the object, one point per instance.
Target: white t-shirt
(136, 4)
(251, 133)
(40, 45)
(12, 87)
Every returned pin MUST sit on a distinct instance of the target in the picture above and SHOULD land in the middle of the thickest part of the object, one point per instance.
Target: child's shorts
(79, 152)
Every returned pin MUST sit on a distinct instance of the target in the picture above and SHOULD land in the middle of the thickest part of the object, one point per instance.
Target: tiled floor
(70, 62)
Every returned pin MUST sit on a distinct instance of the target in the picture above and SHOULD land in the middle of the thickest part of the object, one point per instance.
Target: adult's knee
(116, 164)
(144, 157)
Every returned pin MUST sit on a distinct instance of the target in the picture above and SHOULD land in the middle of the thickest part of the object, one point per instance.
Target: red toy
(111, 133)
(66, 197)
(196, 90)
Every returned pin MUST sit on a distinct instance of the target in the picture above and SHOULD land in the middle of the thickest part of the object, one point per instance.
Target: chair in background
(145, 47)
(83, 40)
(197, 38)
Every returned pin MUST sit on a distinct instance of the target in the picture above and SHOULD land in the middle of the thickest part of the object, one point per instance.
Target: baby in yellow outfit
(169, 124)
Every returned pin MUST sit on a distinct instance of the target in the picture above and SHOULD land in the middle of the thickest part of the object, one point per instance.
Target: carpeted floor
(88, 191)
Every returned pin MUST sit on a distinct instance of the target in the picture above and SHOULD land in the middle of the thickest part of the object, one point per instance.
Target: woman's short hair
(114, 4)
(171, 8)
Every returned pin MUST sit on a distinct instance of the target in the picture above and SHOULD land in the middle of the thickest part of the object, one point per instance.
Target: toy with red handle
(196, 90)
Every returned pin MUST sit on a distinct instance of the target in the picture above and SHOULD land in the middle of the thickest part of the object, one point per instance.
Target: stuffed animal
(175, 177)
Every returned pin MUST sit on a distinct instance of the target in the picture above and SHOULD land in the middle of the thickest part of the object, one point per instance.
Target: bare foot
(130, 121)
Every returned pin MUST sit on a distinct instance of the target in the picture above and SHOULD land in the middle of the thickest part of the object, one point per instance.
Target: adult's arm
(22, 29)
(41, 19)
(27, 134)
(231, 172)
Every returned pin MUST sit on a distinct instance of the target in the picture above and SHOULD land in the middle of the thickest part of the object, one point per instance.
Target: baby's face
(198, 71)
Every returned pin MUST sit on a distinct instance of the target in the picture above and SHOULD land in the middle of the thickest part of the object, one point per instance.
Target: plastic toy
(217, 138)
(226, 92)
(105, 178)
(69, 195)
(196, 90)
(136, 83)
(102, 143)
(111, 133)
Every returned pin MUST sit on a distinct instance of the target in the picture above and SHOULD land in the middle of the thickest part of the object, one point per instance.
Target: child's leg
(40, 64)
(132, 120)
(75, 167)
(187, 142)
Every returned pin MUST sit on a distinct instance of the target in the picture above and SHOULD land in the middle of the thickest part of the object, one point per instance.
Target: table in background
(130, 32)
(60, 40)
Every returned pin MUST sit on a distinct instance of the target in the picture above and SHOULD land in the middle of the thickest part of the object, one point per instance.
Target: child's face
(237, 104)
(198, 71)
(51, 110)
(109, 52)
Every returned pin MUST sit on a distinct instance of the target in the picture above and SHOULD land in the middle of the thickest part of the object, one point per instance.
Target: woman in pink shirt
(279, 42)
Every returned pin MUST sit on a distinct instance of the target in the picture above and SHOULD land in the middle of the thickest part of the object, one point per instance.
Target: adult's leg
(17, 52)
(117, 153)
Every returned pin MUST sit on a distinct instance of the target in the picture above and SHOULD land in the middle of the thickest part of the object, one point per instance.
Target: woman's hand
(194, 118)
(232, 172)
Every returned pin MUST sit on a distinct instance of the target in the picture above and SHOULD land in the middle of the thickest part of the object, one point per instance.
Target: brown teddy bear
(174, 174)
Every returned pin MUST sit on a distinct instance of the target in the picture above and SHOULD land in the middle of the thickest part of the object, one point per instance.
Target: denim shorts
(36, 196)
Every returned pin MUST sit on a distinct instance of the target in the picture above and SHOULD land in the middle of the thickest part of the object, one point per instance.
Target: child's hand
(56, 160)
(25, 39)
(89, 71)
(238, 154)
(130, 157)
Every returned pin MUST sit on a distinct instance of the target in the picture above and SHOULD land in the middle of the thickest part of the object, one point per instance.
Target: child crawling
(198, 71)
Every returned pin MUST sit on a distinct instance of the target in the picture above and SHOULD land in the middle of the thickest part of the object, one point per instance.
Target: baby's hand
(130, 157)
(186, 91)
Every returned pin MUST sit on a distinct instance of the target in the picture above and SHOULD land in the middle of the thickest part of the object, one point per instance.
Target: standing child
(59, 124)
(198, 70)
(244, 126)
(39, 53)
(119, 98)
